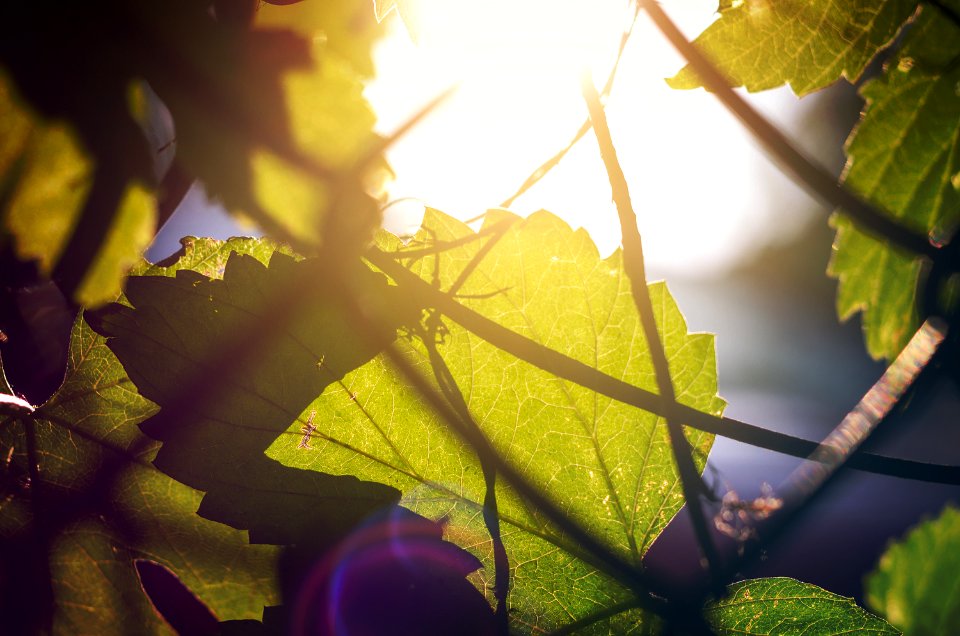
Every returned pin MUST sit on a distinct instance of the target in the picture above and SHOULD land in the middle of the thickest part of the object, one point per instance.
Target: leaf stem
(690, 480)
(491, 515)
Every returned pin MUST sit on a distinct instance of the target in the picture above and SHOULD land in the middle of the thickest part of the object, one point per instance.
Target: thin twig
(572, 370)
(690, 480)
(818, 181)
(491, 515)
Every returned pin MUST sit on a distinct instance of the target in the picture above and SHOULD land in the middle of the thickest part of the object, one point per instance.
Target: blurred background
(743, 250)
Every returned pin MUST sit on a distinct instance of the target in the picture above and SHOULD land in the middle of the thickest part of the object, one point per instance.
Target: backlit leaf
(185, 332)
(808, 44)
(339, 426)
(608, 464)
(905, 156)
(48, 175)
(917, 583)
(784, 606)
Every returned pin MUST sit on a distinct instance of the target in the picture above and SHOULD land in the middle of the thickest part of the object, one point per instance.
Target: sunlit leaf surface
(762, 44)
(917, 583)
(49, 175)
(905, 156)
(784, 606)
(347, 28)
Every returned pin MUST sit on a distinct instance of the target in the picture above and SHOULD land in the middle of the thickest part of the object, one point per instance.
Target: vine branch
(467, 429)
(690, 481)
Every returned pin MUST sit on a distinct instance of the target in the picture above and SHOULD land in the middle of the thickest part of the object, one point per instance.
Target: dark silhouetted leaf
(187, 334)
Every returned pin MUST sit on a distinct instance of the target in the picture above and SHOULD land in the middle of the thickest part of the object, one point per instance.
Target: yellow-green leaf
(609, 465)
(88, 426)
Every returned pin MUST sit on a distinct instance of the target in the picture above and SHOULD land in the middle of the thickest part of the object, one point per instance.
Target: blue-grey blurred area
(197, 215)
(786, 363)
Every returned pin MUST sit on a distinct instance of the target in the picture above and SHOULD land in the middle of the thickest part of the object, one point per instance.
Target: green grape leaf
(170, 337)
(209, 256)
(762, 44)
(784, 606)
(319, 414)
(917, 582)
(184, 331)
(905, 157)
(48, 175)
(87, 427)
(609, 465)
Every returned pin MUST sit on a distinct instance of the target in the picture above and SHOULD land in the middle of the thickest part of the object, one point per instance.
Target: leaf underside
(374, 442)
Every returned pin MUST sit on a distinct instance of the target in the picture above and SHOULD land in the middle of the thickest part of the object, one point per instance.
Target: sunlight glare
(518, 64)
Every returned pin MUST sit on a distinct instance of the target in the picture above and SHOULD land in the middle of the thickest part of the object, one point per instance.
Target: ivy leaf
(86, 429)
(784, 606)
(609, 465)
(917, 583)
(762, 44)
(904, 156)
(48, 175)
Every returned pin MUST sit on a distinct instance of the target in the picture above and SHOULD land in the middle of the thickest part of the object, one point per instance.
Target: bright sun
(518, 63)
